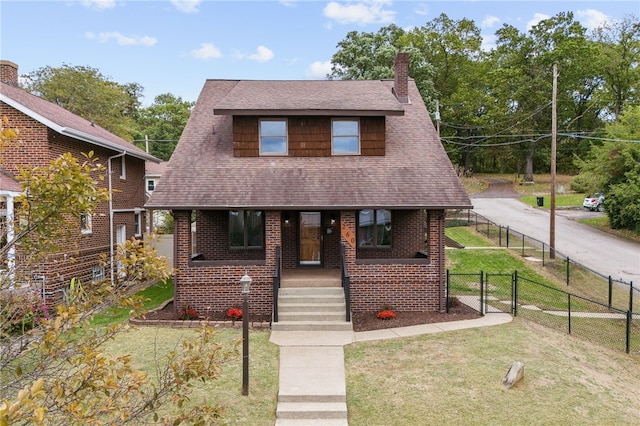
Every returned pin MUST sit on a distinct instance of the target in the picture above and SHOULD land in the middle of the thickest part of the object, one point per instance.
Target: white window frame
(123, 168)
(285, 136)
(334, 137)
(137, 218)
(86, 224)
(151, 183)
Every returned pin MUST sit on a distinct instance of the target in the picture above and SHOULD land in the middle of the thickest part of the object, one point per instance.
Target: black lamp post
(245, 282)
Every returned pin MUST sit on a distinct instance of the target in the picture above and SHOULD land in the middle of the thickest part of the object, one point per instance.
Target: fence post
(628, 339)
(499, 235)
(482, 293)
(543, 244)
(631, 296)
(514, 293)
(447, 296)
(522, 245)
(610, 290)
(488, 230)
(476, 221)
(507, 236)
(569, 310)
(568, 262)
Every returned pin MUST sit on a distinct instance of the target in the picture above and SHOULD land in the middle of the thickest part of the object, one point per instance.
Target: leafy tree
(86, 92)
(52, 368)
(162, 123)
(613, 168)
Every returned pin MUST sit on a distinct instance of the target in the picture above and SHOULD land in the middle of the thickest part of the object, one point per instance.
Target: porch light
(245, 282)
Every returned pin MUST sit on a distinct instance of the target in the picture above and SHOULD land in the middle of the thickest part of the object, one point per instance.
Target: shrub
(386, 314)
(21, 312)
(188, 313)
(234, 314)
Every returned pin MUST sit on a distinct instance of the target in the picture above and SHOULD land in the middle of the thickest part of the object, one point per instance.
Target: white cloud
(363, 12)
(318, 70)
(121, 39)
(422, 9)
(537, 17)
(488, 42)
(489, 21)
(187, 6)
(288, 3)
(206, 51)
(592, 18)
(99, 4)
(263, 54)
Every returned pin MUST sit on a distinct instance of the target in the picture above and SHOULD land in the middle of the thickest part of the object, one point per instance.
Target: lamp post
(245, 282)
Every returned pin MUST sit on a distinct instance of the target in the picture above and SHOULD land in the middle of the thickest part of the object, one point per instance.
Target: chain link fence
(546, 305)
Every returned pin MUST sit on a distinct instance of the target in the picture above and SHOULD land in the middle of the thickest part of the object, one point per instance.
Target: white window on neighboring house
(151, 185)
(98, 273)
(137, 224)
(86, 226)
(123, 168)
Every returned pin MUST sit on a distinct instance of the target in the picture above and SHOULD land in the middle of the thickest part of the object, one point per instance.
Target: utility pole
(554, 134)
(438, 117)
(146, 142)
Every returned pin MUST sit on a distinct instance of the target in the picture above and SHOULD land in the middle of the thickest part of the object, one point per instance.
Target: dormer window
(273, 137)
(345, 137)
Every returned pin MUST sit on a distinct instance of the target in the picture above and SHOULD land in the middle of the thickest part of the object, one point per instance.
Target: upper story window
(151, 185)
(86, 225)
(345, 136)
(374, 228)
(273, 137)
(123, 168)
(246, 229)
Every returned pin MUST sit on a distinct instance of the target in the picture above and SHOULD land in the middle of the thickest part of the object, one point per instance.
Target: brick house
(47, 131)
(272, 177)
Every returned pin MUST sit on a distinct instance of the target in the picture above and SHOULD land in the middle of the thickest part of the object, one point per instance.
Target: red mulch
(362, 321)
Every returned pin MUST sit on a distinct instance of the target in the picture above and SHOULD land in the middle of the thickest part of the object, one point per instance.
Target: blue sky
(175, 45)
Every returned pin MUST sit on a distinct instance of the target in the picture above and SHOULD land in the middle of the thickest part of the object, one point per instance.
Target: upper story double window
(273, 137)
(345, 137)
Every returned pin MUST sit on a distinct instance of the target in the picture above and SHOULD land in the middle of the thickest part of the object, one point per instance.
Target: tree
(613, 168)
(52, 368)
(84, 91)
(162, 123)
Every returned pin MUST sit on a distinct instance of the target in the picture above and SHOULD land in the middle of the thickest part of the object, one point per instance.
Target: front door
(310, 238)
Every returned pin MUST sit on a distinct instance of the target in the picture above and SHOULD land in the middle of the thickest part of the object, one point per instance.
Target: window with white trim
(97, 273)
(137, 219)
(151, 185)
(86, 226)
(345, 136)
(273, 137)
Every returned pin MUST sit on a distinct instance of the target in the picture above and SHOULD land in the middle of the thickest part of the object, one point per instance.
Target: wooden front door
(310, 238)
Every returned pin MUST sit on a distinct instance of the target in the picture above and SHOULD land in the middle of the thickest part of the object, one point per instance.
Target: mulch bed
(362, 321)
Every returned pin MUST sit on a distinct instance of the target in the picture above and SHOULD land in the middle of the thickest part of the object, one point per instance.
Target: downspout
(111, 253)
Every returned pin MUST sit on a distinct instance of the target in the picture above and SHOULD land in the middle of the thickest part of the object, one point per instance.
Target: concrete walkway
(312, 388)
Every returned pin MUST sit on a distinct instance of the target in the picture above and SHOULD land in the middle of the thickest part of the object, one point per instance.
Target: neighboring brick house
(308, 166)
(47, 131)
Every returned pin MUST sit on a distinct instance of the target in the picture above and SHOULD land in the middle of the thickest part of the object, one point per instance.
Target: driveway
(602, 252)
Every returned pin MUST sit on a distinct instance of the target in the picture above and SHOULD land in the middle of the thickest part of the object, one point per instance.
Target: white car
(594, 203)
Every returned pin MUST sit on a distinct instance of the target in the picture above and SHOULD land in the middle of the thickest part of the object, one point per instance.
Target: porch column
(348, 223)
(273, 237)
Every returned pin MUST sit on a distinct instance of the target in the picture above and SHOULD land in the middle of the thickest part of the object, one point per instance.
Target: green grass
(562, 200)
(462, 235)
(152, 296)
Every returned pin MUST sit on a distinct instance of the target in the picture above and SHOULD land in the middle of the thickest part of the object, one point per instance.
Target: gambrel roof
(67, 123)
(203, 173)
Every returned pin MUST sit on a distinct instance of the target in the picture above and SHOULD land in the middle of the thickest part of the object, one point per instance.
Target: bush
(21, 312)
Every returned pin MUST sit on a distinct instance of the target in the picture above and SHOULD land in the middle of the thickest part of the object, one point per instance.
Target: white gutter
(111, 254)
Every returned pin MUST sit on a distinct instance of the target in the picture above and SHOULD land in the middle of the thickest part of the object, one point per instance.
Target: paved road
(595, 249)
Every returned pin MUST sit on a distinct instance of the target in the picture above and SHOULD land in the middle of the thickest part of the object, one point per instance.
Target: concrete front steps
(312, 387)
(311, 309)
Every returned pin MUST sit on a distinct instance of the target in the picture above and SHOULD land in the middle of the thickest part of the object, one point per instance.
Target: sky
(173, 46)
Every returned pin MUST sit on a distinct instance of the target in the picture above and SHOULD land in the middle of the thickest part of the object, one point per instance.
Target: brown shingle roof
(66, 122)
(321, 97)
(202, 173)
(8, 182)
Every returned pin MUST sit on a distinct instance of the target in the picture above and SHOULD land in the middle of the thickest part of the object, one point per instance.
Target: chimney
(401, 77)
(9, 72)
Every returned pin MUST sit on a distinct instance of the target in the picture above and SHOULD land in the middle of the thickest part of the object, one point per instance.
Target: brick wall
(37, 146)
